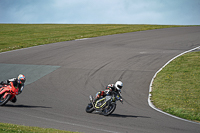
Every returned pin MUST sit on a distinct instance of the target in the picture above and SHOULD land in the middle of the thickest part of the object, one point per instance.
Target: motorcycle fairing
(105, 99)
(10, 90)
(98, 102)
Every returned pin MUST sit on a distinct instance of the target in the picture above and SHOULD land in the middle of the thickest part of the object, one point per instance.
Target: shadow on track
(24, 106)
(125, 116)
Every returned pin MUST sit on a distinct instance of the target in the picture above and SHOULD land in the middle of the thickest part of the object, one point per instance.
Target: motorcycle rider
(18, 84)
(109, 89)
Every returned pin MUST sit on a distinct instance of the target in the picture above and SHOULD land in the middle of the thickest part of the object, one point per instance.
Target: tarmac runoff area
(31, 72)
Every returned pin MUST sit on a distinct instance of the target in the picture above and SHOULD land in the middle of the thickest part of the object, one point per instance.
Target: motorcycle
(7, 93)
(106, 105)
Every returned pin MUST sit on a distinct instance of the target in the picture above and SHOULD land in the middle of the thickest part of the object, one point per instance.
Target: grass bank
(176, 89)
(16, 36)
(12, 128)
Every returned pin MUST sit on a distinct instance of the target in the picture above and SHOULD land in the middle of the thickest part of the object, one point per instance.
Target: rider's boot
(94, 101)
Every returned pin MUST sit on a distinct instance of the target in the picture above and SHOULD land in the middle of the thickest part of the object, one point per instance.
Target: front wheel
(109, 110)
(3, 101)
(89, 108)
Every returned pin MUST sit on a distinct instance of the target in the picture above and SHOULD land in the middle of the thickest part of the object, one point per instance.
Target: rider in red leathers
(18, 84)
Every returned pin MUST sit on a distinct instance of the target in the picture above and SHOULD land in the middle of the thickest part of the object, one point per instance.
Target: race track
(61, 76)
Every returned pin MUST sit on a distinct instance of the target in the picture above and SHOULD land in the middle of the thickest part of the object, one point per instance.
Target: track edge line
(150, 89)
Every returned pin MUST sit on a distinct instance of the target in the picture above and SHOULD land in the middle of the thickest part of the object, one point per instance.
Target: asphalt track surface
(61, 76)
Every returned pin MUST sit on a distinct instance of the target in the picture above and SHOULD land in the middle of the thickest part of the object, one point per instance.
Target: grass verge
(16, 36)
(176, 89)
(12, 128)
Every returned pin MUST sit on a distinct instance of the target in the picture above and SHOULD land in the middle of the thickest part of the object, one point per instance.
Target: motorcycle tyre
(111, 111)
(2, 103)
(89, 108)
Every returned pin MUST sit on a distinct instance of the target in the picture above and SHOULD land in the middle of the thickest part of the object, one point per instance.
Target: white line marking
(81, 39)
(40, 46)
(150, 89)
(22, 49)
(73, 124)
(62, 122)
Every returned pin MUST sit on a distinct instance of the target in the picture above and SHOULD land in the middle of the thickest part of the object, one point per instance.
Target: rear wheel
(89, 108)
(109, 110)
(3, 101)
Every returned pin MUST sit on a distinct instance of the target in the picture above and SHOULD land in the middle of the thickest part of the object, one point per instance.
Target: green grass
(176, 89)
(16, 36)
(12, 128)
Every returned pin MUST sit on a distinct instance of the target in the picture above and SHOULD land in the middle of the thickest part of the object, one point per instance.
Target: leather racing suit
(109, 89)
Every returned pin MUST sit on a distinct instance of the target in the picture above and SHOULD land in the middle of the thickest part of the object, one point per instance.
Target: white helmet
(118, 85)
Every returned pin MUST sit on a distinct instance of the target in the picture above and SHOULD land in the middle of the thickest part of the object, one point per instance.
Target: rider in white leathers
(109, 89)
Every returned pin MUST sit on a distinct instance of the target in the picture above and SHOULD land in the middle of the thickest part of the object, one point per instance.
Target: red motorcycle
(7, 93)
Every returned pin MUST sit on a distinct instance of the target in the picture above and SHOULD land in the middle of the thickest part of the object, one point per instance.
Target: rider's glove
(107, 92)
(121, 100)
(19, 92)
(4, 82)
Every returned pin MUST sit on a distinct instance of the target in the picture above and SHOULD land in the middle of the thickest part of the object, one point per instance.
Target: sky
(161, 12)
